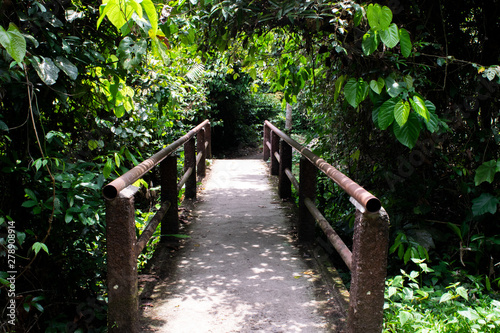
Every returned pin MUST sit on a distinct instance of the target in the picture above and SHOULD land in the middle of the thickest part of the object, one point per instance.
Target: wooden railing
(368, 259)
(123, 246)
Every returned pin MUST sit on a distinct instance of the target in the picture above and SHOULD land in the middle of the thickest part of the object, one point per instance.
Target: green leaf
(13, 42)
(390, 36)
(30, 194)
(419, 106)
(68, 217)
(370, 42)
(408, 134)
(107, 168)
(355, 91)
(373, 13)
(405, 42)
(379, 18)
(119, 111)
(456, 229)
(92, 144)
(358, 16)
(130, 52)
(3, 126)
(393, 87)
(409, 81)
(404, 316)
(46, 69)
(21, 237)
(462, 292)
(378, 85)
(67, 67)
(485, 203)
(338, 87)
(117, 160)
(486, 172)
(150, 10)
(470, 314)
(119, 12)
(401, 112)
(38, 307)
(445, 297)
(386, 113)
(433, 123)
(40, 246)
(29, 204)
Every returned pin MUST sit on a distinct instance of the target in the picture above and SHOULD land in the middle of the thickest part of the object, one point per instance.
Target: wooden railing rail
(123, 246)
(368, 259)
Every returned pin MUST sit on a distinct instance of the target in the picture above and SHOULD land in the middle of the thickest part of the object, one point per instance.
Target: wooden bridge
(251, 231)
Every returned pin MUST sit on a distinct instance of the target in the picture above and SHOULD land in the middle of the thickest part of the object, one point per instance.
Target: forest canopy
(402, 96)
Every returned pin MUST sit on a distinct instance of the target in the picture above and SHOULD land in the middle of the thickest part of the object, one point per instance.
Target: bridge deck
(240, 270)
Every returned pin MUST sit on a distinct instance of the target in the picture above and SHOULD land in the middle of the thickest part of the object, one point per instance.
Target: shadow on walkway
(240, 270)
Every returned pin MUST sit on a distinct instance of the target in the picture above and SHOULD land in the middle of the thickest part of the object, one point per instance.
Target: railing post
(208, 138)
(190, 162)
(168, 174)
(285, 185)
(200, 137)
(266, 151)
(275, 145)
(369, 266)
(123, 306)
(307, 182)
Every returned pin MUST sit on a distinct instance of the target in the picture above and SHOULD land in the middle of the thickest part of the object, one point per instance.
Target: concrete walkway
(239, 271)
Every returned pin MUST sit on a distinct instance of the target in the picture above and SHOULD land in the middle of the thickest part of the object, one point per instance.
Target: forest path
(240, 270)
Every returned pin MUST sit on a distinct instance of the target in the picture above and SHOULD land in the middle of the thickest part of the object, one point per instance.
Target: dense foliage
(402, 96)
(84, 97)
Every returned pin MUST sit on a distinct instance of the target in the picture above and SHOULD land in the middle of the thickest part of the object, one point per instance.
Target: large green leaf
(14, 42)
(46, 69)
(150, 10)
(378, 85)
(386, 113)
(370, 42)
(485, 203)
(405, 42)
(119, 12)
(393, 87)
(67, 67)
(355, 91)
(418, 105)
(131, 52)
(486, 172)
(408, 134)
(390, 36)
(401, 112)
(379, 18)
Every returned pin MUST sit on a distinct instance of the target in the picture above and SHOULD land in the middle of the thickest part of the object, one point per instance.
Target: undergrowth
(418, 302)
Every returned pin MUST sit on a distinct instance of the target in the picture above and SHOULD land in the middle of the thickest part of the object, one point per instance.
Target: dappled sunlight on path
(239, 271)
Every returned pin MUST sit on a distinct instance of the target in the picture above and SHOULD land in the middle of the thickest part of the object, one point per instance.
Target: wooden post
(267, 138)
(275, 146)
(369, 266)
(168, 173)
(285, 185)
(200, 137)
(190, 162)
(123, 305)
(208, 138)
(307, 182)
